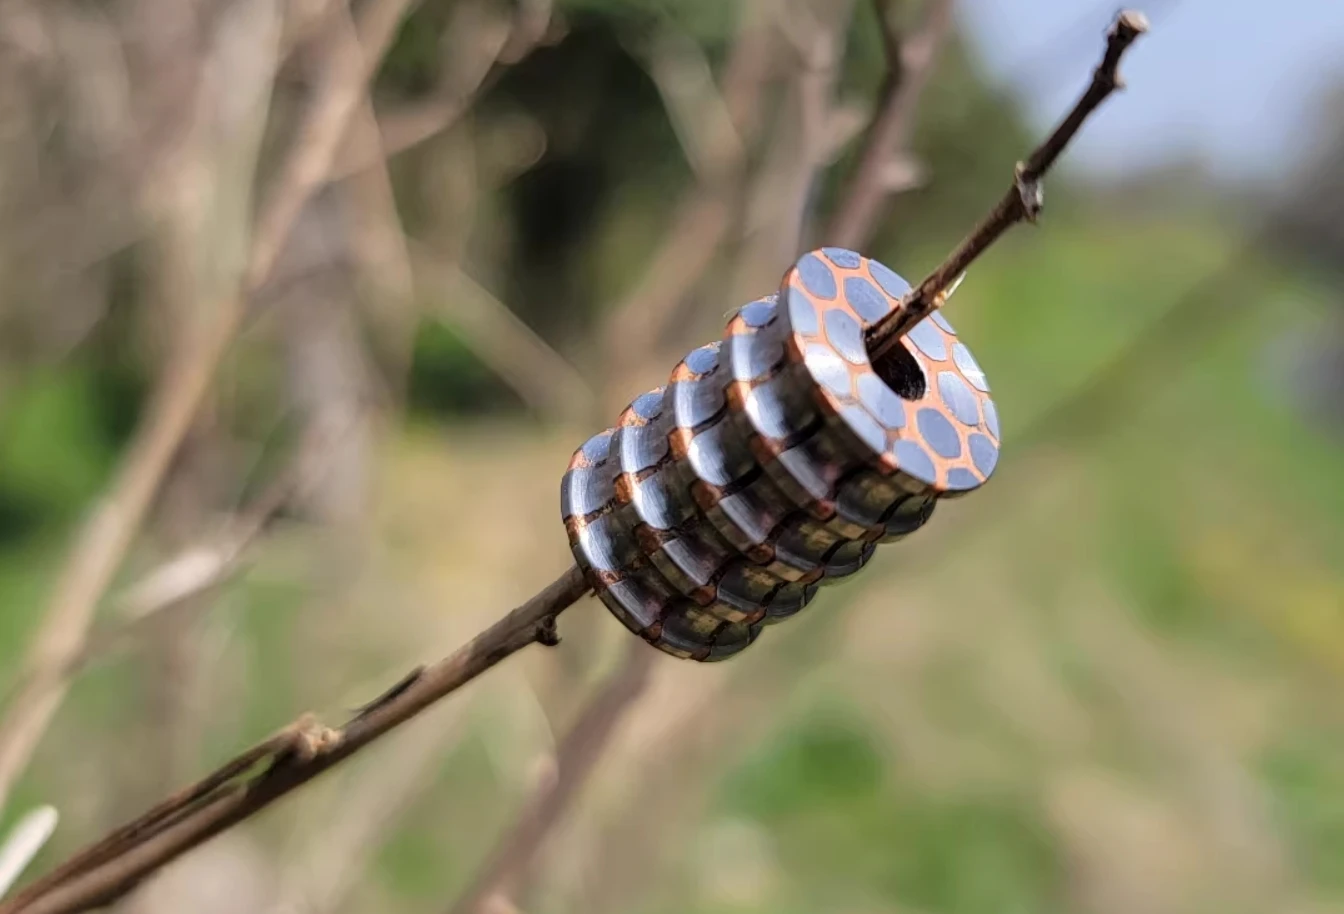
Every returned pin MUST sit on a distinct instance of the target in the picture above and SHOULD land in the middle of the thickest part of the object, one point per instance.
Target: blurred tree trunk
(165, 47)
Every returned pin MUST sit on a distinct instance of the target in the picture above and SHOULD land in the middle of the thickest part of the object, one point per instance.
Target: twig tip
(1130, 23)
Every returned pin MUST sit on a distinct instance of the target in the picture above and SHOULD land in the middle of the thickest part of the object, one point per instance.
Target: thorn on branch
(393, 692)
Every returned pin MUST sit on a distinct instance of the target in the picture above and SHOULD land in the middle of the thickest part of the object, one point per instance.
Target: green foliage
(1143, 549)
(267, 610)
(26, 569)
(412, 65)
(53, 451)
(1306, 776)
(448, 378)
(710, 21)
(846, 827)
(823, 760)
(421, 862)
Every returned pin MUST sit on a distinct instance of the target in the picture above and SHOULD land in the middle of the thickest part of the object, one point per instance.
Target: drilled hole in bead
(898, 370)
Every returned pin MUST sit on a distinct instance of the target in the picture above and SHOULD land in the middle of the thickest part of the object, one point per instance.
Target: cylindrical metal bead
(775, 460)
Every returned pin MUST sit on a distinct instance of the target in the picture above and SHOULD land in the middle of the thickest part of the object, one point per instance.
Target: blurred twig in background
(702, 217)
(203, 566)
(483, 41)
(499, 883)
(22, 844)
(885, 166)
(110, 530)
(777, 198)
(540, 375)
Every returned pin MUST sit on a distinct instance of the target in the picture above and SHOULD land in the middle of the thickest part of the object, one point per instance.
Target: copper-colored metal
(775, 460)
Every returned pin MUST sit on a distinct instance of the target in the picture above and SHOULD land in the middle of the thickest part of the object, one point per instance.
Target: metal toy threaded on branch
(830, 418)
(776, 459)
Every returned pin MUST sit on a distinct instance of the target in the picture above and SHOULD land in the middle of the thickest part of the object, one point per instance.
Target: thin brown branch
(110, 868)
(575, 758)
(910, 63)
(111, 528)
(1023, 200)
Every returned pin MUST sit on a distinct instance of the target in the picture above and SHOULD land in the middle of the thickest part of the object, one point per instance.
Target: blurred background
(1106, 683)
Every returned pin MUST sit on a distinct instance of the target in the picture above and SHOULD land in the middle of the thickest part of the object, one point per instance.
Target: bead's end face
(925, 414)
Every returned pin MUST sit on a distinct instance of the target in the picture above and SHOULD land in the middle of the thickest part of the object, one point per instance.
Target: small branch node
(314, 740)
(1030, 193)
(547, 633)
(305, 740)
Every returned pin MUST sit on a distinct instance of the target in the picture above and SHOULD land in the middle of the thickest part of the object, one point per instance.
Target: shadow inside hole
(899, 371)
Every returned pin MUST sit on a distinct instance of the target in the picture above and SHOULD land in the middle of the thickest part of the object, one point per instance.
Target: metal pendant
(775, 460)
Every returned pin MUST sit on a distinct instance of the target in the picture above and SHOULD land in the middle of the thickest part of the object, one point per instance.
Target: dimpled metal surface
(774, 461)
